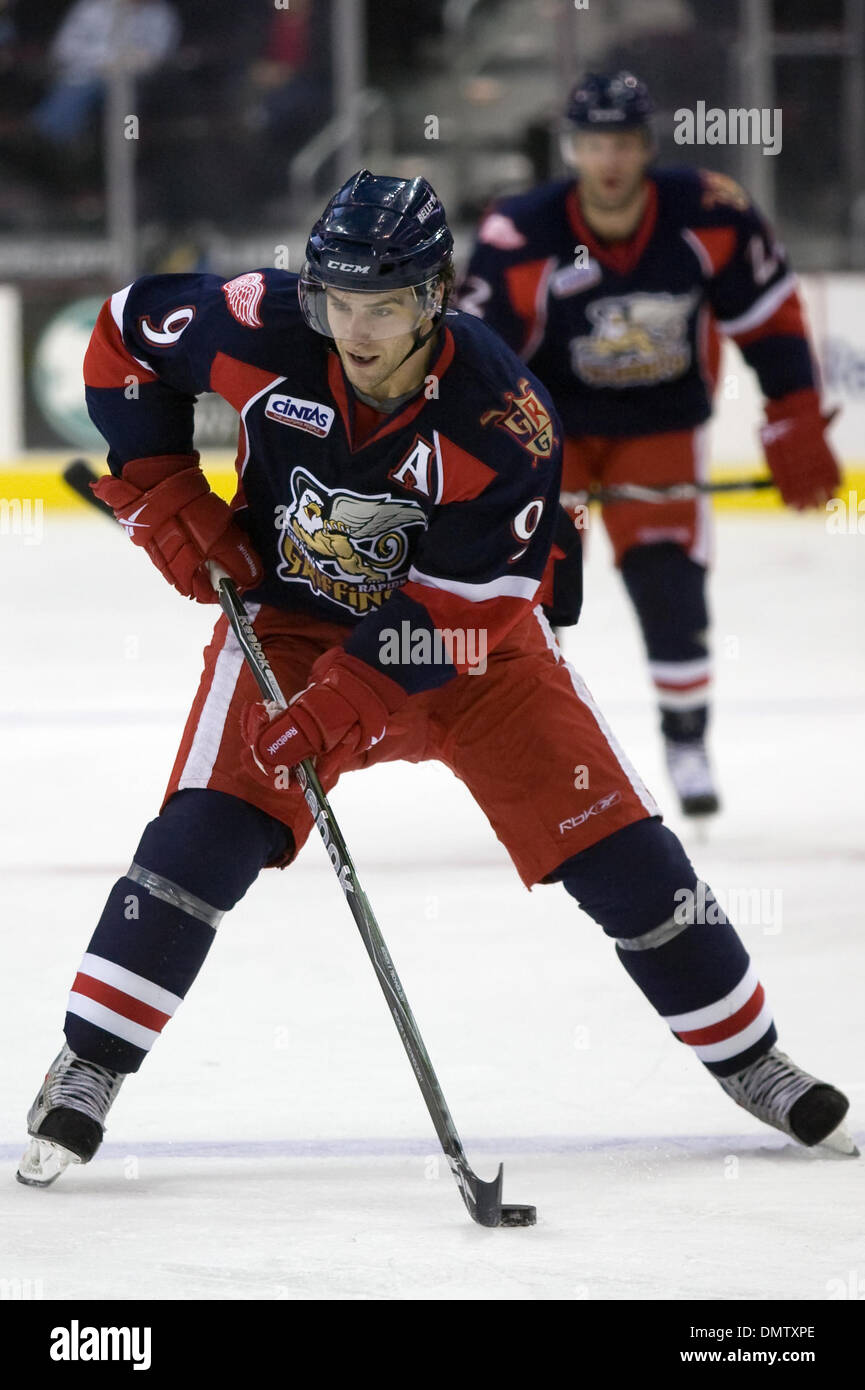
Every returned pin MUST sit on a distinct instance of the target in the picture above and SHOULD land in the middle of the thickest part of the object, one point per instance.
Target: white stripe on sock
(136, 985)
(728, 1047)
(121, 1027)
(681, 672)
(721, 1009)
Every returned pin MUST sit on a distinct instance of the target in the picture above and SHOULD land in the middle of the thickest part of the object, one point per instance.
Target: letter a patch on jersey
(243, 296)
(413, 472)
(526, 419)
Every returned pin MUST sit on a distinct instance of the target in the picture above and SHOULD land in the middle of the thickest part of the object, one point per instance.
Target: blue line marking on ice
(373, 1147)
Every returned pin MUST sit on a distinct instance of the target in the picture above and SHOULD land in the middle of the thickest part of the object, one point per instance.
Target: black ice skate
(778, 1092)
(691, 775)
(66, 1121)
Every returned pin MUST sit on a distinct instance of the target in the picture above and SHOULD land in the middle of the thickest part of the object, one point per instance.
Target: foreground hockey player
(611, 285)
(393, 530)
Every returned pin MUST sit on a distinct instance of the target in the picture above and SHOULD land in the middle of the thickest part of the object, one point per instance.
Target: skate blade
(699, 827)
(840, 1142)
(43, 1163)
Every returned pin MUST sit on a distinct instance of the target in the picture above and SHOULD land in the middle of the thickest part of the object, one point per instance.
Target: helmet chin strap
(419, 340)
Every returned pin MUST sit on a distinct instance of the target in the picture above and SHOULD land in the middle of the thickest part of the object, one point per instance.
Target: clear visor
(354, 316)
(571, 139)
(568, 147)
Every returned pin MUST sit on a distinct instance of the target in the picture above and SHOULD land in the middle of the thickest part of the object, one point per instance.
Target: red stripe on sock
(728, 1027)
(121, 1003)
(676, 686)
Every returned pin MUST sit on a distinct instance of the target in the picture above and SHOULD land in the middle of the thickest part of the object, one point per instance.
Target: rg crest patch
(527, 419)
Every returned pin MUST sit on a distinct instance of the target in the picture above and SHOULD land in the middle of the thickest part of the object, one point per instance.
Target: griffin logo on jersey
(349, 547)
(636, 340)
(527, 419)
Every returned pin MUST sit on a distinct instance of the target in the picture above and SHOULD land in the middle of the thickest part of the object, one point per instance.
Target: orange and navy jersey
(623, 333)
(443, 515)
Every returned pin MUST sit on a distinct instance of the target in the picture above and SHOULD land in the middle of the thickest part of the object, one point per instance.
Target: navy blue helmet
(377, 234)
(610, 102)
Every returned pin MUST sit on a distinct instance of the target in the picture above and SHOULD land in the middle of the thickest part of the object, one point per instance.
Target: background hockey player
(398, 466)
(612, 285)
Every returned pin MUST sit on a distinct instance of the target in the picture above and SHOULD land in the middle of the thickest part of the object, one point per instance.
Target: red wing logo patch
(526, 419)
(721, 189)
(499, 231)
(243, 296)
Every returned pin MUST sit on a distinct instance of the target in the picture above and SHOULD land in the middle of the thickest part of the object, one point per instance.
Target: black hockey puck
(519, 1216)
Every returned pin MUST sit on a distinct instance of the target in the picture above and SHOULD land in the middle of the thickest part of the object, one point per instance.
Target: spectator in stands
(291, 78)
(95, 36)
(290, 90)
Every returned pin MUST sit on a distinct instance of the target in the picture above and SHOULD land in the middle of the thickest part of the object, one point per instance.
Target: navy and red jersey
(623, 333)
(443, 515)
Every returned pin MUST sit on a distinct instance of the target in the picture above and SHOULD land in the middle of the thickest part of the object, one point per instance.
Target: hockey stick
(483, 1199)
(664, 492)
(79, 475)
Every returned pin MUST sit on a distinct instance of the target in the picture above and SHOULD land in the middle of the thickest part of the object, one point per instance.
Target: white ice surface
(275, 1144)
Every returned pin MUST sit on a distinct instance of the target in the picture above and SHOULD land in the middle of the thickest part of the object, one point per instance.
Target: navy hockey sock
(668, 591)
(194, 862)
(675, 942)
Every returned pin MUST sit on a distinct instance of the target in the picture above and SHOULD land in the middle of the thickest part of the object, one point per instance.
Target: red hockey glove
(348, 704)
(802, 462)
(165, 504)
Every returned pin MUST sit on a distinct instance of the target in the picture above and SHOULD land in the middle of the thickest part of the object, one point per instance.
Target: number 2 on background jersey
(763, 262)
(476, 293)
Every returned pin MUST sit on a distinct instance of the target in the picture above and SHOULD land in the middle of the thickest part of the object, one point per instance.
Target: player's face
(611, 165)
(373, 333)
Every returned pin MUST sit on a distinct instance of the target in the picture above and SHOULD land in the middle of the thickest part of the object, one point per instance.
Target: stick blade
(486, 1206)
(486, 1198)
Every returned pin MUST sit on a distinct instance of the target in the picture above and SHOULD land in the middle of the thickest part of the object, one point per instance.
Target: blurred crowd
(225, 94)
(228, 92)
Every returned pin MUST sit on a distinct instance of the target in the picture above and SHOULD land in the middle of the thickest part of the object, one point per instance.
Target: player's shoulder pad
(236, 314)
(494, 387)
(703, 197)
(522, 222)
